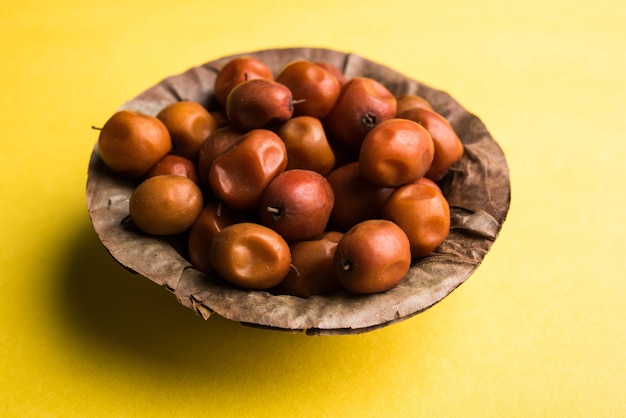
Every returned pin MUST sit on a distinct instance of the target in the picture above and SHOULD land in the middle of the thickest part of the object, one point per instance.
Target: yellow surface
(538, 331)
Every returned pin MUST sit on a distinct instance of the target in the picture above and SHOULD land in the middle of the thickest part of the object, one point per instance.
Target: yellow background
(538, 331)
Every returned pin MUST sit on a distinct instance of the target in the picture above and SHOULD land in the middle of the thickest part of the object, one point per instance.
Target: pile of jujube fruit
(301, 183)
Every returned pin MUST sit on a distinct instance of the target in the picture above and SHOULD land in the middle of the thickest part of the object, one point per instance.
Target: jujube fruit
(312, 269)
(189, 124)
(373, 256)
(410, 101)
(174, 165)
(165, 205)
(396, 152)
(362, 104)
(213, 218)
(235, 72)
(259, 103)
(315, 89)
(130, 143)
(307, 145)
(448, 146)
(330, 235)
(356, 199)
(239, 176)
(341, 78)
(250, 255)
(422, 212)
(297, 204)
(428, 182)
(215, 145)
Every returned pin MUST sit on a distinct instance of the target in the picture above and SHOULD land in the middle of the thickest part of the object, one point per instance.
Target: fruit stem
(97, 128)
(276, 212)
(294, 269)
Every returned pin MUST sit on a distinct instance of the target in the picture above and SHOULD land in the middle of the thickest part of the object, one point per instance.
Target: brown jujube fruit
(307, 145)
(250, 255)
(297, 204)
(448, 146)
(423, 213)
(174, 165)
(259, 103)
(356, 199)
(215, 145)
(315, 89)
(312, 269)
(341, 78)
(333, 236)
(239, 176)
(130, 143)
(165, 205)
(396, 152)
(236, 71)
(373, 256)
(189, 124)
(362, 104)
(410, 101)
(214, 217)
(428, 182)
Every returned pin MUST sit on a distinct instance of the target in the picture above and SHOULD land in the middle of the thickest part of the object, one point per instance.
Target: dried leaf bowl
(477, 189)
